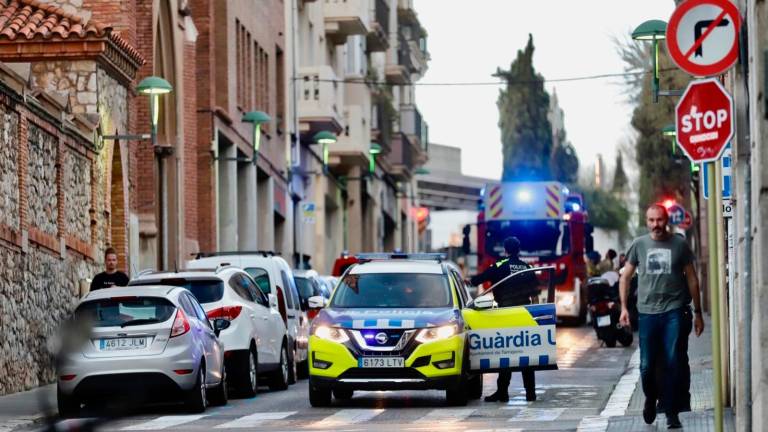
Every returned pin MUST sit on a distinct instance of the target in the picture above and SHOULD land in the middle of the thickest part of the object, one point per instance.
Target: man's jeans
(659, 336)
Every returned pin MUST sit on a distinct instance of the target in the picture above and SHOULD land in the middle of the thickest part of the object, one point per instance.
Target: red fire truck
(551, 224)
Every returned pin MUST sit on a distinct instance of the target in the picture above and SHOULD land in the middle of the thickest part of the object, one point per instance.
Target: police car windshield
(392, 290)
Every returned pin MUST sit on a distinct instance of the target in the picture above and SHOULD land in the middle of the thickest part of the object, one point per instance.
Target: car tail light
(67, 377)
(312, 313)
(226, 312)
(183, 371)
(180, 324)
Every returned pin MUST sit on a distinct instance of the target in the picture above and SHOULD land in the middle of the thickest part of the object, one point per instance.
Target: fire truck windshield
(540, 238)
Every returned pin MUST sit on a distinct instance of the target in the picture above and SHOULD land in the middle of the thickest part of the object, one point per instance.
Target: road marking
(165, 422)
(348, 416)
(619, 400)
(18, 422)
(255, 419)
(494, 430)
(447, 415)
(538, 414)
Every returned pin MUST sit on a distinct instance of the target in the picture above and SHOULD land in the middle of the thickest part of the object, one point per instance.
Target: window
(258, 296)
(126, 311)
(199, 312)
(187, 306)
(204, 290)
(392, 290)
(261, 277)
(240, 286)
(245, 52)
(280, 84)
(462, 291)
(291, 295)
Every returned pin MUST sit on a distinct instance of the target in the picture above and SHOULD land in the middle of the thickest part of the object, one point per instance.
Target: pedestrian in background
(515, 291)
(111, 277)
(607, 265)
(667, 282)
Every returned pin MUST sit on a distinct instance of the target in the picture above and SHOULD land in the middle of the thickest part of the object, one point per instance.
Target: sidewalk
(702, 416)
(19, 409)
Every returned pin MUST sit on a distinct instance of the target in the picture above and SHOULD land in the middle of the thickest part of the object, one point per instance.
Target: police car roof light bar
(365, 257)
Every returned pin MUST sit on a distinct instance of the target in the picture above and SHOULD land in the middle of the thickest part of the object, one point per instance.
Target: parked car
(256, 342)
(309, 284)
(330, 283)
(147, 344)
(273, 275)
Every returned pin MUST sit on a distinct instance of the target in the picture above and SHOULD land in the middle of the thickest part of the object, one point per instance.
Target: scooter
(605, 309)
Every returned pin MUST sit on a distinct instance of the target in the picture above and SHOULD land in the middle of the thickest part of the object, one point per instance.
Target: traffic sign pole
(714, 289)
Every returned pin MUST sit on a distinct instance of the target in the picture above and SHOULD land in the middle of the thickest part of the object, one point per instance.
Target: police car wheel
(475, 387)
(319, 396)
(456, 396)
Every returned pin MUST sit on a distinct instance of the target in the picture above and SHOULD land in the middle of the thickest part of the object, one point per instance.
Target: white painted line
(538, 414)
(165, 422)
(495, 430)
(619, 401)
(447, 415)
(18, 422)
(254, 420)
(348, 416)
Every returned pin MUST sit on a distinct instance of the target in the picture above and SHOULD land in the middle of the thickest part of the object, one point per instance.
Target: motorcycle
(605, 308)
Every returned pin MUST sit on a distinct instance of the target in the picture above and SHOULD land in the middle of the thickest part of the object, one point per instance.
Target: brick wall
(190, 177)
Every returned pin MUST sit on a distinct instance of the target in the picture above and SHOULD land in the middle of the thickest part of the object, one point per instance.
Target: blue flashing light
(524, 195)
(576, 207)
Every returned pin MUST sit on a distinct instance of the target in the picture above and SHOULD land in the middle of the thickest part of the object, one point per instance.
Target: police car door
(512, 337)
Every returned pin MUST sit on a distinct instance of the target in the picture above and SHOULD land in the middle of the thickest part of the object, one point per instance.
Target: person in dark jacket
(515, 291)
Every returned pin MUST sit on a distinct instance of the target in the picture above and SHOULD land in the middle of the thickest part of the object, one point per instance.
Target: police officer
(515, 291)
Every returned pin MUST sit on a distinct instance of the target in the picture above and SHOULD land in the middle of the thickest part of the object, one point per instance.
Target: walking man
(515, 291)
(666, 283)
(111, 277)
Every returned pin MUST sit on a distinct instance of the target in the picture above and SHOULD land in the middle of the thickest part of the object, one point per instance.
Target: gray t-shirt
(662, 286)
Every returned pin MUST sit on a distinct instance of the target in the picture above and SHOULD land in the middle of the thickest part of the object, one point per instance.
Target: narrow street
(581, 388)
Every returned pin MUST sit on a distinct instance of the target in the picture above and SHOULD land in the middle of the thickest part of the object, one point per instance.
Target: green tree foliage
(662, 174)
(620, 182)
(526, 133)
(605, 210)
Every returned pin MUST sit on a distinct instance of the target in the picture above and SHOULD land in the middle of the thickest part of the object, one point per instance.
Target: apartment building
(356, 63)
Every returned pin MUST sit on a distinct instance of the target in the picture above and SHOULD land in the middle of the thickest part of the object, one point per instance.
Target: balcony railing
(378, 39)
(382, 124)
(404, 54)
(411, 122)
(320, 95)
(401, 156)
(382, 15)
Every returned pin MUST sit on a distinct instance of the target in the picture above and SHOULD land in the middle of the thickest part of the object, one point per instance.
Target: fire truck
(552, 226)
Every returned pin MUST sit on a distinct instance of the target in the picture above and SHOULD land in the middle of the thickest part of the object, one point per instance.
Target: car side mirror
(272, 301)
(220, 324)
(317, 302)
(483, 302)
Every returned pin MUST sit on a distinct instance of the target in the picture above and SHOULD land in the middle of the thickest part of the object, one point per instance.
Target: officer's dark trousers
(505, 376)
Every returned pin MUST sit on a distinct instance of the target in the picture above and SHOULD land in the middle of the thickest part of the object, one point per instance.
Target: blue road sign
(676, 214)
(726, 164)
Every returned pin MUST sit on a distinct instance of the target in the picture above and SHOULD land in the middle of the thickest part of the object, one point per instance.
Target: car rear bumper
(134, 388)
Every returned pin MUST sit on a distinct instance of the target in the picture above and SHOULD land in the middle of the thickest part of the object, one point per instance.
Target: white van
(273, 275)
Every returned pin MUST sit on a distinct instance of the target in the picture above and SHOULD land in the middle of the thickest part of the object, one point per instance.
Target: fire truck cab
(552, 226)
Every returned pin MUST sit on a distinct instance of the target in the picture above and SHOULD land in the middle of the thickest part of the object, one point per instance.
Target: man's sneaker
(673, 422)
(530, 396)
(497, 397)
(649, 411)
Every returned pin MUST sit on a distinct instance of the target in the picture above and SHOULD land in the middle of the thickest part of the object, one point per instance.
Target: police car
(407, 322)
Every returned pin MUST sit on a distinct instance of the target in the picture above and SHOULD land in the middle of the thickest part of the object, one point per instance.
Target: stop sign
(704, 120)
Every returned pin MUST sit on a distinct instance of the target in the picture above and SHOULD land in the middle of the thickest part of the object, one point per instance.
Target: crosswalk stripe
(348, 416)
(538, 414)
(165, 422)
(447, 416)
(255, 419)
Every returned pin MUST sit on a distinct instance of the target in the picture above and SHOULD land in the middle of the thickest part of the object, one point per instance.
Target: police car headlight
(437, 333)
(332, 334)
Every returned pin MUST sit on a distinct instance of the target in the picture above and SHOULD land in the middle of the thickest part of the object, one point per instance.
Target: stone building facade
(64, 192)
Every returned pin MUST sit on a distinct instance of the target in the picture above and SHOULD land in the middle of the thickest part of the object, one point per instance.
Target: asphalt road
(581, 388)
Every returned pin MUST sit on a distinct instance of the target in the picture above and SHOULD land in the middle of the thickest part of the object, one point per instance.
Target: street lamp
(375, 150)
(257, 118)
(422, 171)
(154, 86)
(654, 31)
(324, 138)
(670, 130)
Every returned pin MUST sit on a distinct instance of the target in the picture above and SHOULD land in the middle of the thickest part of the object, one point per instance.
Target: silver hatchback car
(145, 344)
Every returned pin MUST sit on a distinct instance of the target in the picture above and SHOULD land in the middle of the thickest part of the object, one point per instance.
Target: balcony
(400, 72)
(354, 143)
(413, 126)
(346, 18)
(378, 38)
(321, 98)
(401, 157)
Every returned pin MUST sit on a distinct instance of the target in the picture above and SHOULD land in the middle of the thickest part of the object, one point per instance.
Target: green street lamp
(422, 171)
(325, 138)
(154, 86)
(654, 31)
(257, 118)
(670, 130)
(374, 151)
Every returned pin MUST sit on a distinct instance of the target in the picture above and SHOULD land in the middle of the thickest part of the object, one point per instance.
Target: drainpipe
(748, 298)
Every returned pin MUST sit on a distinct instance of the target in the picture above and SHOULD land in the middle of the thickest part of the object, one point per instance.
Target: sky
(468, 40)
